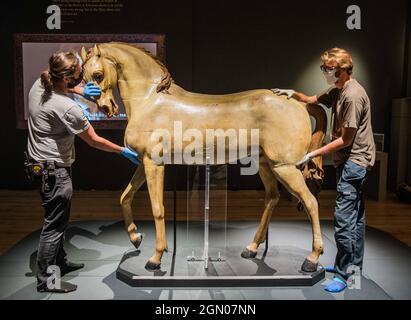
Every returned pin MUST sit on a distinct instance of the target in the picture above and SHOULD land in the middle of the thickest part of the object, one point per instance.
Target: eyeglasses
(327, 69)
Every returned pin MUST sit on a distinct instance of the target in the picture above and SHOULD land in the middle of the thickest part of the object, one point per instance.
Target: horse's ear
(96, 50)
(83, 54)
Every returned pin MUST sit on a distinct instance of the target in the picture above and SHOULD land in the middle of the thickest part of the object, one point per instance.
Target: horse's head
(102, 71)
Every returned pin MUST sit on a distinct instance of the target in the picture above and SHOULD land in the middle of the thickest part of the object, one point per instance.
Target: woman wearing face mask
(353, 149)
(54, 121)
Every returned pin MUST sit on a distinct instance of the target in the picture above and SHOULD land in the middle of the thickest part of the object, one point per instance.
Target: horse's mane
(166, 80)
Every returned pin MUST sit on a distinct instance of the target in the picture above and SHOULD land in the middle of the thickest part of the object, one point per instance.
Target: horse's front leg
(155, 184)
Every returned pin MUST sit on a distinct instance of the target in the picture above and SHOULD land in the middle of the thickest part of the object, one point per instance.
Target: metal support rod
(266, 241)
(206, 211)
(175, 212)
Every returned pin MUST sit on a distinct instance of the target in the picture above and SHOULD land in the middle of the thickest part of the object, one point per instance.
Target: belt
(48, 163)
(57, 166)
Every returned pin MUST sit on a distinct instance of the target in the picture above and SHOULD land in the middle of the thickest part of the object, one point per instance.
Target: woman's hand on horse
(91, 91)
(284, 92)
(130, 154)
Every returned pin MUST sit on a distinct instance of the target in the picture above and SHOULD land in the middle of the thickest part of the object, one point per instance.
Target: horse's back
(283, 124)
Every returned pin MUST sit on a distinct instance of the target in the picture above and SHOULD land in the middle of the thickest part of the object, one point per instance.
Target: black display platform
(101, 245)
(281, 267)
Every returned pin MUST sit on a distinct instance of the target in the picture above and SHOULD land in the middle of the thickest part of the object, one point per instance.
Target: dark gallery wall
(221, 47)
(93, 169)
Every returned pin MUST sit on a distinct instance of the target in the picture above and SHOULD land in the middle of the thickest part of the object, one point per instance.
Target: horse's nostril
(106, 109)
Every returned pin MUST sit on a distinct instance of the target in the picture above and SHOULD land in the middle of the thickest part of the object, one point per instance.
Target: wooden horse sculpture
(152, 100)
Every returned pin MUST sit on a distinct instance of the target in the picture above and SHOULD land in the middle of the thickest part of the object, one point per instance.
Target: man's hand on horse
(130, 154)
(307, 158)
(284, 92)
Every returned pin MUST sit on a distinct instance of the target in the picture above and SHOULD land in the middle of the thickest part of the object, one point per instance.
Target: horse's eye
(98, 77)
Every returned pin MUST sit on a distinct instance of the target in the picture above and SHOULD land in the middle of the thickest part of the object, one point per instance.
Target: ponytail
(60, 64)
(47, 85)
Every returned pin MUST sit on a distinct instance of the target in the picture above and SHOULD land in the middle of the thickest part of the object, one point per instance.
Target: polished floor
(102, 244)
(21, 213)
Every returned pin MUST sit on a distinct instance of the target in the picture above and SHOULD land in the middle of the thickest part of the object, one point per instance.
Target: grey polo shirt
(53, 126)
(351, 109)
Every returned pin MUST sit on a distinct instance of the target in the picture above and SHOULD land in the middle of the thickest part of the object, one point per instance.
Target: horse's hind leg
(293, 180)
(155, 183)
(271, 199)
(126, 200)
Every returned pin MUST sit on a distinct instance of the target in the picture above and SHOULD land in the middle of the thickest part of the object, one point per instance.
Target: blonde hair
(341, 56)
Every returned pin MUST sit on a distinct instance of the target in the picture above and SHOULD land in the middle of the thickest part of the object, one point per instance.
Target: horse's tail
(313, 171)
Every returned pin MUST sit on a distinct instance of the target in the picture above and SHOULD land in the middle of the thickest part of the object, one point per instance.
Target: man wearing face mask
(353, 149)
(54, 121)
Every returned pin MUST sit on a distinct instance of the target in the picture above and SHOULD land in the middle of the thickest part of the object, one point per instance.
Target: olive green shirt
(351, 108)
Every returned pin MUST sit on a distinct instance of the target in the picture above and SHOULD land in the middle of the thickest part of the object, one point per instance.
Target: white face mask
(330, 77)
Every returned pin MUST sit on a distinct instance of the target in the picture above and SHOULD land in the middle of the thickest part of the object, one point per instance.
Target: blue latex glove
(91, 91)
(337, 285)
(130, 155)
(330, 269)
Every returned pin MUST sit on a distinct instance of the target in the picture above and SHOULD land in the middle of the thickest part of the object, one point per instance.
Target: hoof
(309, 266)
(248, 254)
(151, 266)
(138, 241)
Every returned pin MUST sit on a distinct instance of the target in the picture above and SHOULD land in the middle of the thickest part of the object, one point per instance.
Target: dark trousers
(56, 203)
(349, 220)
